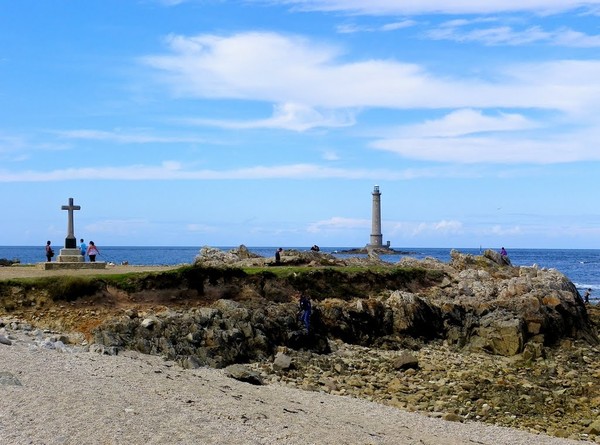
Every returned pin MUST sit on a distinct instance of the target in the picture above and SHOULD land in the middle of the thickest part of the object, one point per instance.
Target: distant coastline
(379, 251)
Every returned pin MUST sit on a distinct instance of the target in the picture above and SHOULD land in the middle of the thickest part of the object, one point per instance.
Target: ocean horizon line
(397, 248)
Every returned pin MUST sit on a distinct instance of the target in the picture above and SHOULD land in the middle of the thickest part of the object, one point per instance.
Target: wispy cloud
(289, 116)
(331, 155)
(200, 228)
(494, 150)
(116, 226)
(395, 7)
(386, 27)
(468, 121)
(336, 223)
(173, 170)
(414, 229)
(125, 138)
(506, 35)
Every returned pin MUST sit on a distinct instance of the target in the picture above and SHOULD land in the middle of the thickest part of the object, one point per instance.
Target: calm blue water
(582, 266)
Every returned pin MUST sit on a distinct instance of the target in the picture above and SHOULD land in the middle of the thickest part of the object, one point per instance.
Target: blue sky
(268, 122)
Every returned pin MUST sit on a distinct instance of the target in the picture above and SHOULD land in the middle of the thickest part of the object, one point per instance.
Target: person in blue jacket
(83, 248)
(305, 311)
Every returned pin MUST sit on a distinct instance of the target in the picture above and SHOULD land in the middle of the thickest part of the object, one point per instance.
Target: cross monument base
(70, 256)
(71, 266)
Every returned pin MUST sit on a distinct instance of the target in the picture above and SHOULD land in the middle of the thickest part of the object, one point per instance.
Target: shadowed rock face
(475, 302)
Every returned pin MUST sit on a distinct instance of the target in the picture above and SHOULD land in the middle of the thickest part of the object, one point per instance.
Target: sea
(581, 266)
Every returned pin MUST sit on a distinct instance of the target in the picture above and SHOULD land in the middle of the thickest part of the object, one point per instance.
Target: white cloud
(387, 27)
(116, 227)
(413, 229)
(506, 35)
(200, 228)
(290, 70)
(331, 155)
(337, 223)
(470, 137)
(171, 170)
(500, 150)
(396, 7)
(504, 231)
(500, 35)
(288, 116)
(125, 138)
(569, 37)
(467, 121)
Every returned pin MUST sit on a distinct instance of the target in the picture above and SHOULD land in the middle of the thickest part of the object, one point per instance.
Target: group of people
(86, 249)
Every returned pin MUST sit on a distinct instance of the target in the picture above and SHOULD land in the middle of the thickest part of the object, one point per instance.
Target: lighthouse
(376, 240)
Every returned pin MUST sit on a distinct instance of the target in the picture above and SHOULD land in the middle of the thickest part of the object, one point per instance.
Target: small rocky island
(472, 339)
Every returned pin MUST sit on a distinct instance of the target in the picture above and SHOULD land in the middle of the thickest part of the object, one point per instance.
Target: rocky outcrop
(219, 315)
(7, 262)
(473, 302)
(217, 336)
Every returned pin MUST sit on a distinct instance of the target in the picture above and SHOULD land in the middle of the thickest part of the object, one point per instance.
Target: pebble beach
(61, 395)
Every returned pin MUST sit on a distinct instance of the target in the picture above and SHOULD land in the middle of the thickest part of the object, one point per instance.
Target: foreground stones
(557, 394)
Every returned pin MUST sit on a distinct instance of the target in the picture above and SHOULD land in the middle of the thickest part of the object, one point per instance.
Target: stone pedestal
(72, 265)
(70, 242)
(67, 255)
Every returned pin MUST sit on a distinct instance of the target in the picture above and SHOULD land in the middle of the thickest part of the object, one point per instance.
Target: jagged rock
(406, 360)
(452, 417)
(497, 257)
(243, 374)
(5, 341)
(499, 333)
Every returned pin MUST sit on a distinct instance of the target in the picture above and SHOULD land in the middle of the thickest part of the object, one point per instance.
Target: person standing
(586, 296)
(305, 311)
(83, 248)
(278, 256)
(92, 251)
(49, 251)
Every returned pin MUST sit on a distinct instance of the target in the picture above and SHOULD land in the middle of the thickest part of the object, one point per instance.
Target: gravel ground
(79, 397)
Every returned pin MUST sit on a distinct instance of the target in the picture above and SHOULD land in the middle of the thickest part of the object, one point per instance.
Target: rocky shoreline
(473, 340)
(557, 393)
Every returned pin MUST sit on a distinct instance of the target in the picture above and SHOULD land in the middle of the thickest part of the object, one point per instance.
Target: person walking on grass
(92, 251)
(83, 247)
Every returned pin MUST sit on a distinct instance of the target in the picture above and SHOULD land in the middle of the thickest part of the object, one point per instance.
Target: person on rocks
(504, 256)
(92, 251)
(278, 256)
(305, 310)
(49, 251)
(586, 296)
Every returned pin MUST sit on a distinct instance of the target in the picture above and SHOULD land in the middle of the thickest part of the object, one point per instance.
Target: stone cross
(70, 240)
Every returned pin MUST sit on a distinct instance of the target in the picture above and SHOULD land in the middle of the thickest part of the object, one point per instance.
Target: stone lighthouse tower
(376, 240)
